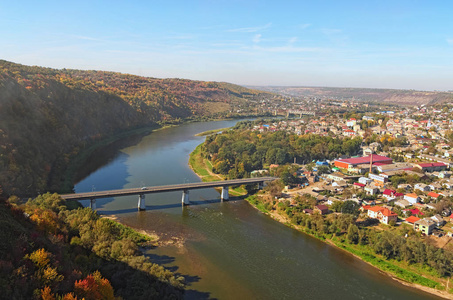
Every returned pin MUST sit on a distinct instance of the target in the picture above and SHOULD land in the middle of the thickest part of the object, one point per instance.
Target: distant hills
(47, 115)
(388, 96)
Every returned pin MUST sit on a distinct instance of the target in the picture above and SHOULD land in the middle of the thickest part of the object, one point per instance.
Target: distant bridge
(184, 187)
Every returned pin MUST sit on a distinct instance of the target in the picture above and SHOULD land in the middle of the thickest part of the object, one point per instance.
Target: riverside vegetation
(399, 251)
(53, 249)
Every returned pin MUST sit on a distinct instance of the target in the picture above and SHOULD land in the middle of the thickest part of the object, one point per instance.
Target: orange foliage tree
(94, 287)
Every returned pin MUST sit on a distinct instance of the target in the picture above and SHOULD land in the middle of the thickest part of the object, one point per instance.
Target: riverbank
(383, 266)
(203, 168)
(209, 132)
(404, 274)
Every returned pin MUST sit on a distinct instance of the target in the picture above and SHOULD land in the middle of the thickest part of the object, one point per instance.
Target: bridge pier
(141, 202)
(93, 203)
(224, 195)
(185, 197)
(260, 185)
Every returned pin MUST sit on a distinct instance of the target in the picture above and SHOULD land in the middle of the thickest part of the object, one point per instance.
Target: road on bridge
(164, 188)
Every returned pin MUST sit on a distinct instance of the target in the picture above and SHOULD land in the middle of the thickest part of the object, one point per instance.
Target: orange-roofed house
(412, 198)
(433, 195)
(412, 219)
(383, 214)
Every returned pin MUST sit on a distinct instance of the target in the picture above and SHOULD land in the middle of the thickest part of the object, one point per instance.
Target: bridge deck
(164, 188)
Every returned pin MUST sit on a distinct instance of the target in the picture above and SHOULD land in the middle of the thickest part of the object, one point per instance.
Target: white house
(412, 198)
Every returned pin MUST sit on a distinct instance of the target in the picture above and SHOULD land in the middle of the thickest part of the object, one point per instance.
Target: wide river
(225, 250)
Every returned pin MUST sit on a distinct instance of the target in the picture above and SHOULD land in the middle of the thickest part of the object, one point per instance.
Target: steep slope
(47, 115)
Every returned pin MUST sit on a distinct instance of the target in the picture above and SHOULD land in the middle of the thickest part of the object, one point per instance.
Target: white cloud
(250, 29)
(257, 38)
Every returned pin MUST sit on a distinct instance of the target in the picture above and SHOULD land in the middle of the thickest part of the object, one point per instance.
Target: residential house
(365, 180)
(371, 190)
(434, 195)
(438, 219)
(412, 198)
(403, 203)
(422, 187)
(414, 212)
(391, 194)
(425, 225)
(412, 219)
(321, 209)
(405, 186)
(383, 214)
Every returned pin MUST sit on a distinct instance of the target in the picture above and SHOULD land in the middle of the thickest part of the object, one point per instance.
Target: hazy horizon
(385, 45)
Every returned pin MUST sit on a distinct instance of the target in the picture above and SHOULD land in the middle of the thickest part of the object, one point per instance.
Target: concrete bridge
(185, 187)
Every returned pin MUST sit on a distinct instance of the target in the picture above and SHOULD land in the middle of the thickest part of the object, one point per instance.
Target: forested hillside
(50, 249)
(47, 116)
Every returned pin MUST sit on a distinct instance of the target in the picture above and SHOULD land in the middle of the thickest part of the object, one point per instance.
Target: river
(225, 250)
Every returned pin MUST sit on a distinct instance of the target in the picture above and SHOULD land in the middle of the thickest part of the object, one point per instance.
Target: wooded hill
(47, 115)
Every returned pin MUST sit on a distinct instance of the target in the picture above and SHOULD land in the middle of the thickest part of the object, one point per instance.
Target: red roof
(387, 212)
(412, 219)
(375, 208)
(322, 207)
(389, 192)
(367, 207)
(415, 212)
(436, 164)
(434, 195)
(366, 159)
(359, 184)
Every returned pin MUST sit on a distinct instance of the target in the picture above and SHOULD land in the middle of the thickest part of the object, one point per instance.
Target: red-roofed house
(348, 132)
(415, 212)
(359, 184)
(321, 209)
(433, 195)
(366, 207)
(388, 193)
(351, 163)
(412, 219)
(384, 215)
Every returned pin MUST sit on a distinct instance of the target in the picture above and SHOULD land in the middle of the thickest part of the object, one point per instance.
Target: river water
(225, 250)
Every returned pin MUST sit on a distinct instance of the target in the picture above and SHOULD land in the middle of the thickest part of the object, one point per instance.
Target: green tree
(353, 234)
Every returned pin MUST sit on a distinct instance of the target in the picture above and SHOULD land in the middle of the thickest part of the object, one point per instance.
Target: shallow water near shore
(227, 250)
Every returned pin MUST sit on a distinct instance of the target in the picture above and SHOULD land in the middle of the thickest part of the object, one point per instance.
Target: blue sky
(378, 44)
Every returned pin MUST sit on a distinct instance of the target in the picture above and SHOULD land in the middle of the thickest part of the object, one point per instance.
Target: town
(401, 176)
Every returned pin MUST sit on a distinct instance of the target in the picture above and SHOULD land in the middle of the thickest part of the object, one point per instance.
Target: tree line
(238, 152)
